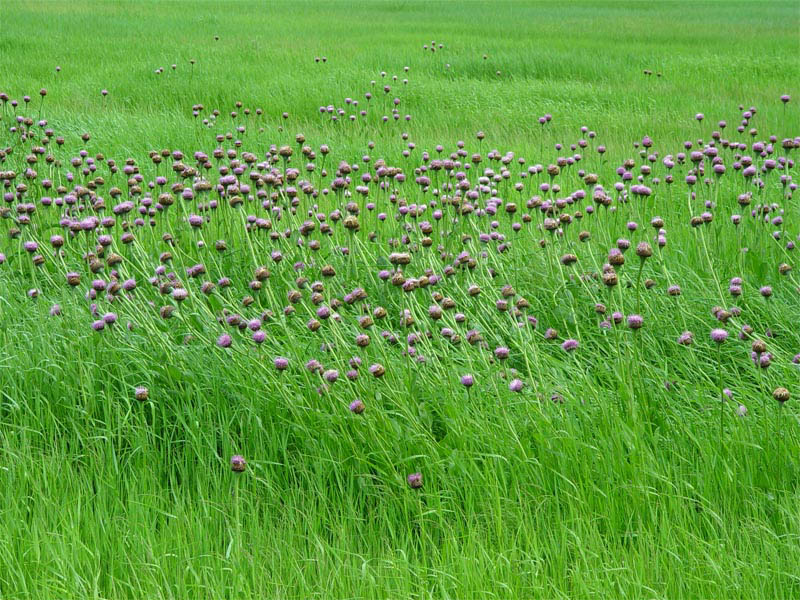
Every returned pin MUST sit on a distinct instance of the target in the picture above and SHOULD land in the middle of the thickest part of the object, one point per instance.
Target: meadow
(399, 300)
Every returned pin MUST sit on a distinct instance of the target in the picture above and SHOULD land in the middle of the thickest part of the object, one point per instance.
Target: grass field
(511, 367)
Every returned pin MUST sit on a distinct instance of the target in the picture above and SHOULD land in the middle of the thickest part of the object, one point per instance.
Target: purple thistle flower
(414, 480)
(281, 363)
(357, 407)
(569, 345)
(515, 385)
(99, 325)
(224, 341)
(467, 380)
(635, 321)
(719, 335)
(238, 463)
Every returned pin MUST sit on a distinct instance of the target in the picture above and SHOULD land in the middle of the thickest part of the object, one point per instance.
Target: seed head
(643, 250)
(781, 394)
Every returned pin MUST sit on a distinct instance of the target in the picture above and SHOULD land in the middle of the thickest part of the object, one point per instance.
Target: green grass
(629, 488)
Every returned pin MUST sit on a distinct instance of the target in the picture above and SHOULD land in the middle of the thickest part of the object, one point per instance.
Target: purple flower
(99, 325)
(238, 463)
(331, 375)
(569, 345)
(467, 380)
(414, 480)
(501, 352)
(281, 363)
(259, 337)
(635, 321)
(357, 407)
(224, 341)
(719, 335)
(515, 385)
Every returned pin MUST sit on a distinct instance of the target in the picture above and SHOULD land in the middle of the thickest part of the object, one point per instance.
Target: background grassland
(103, 497)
